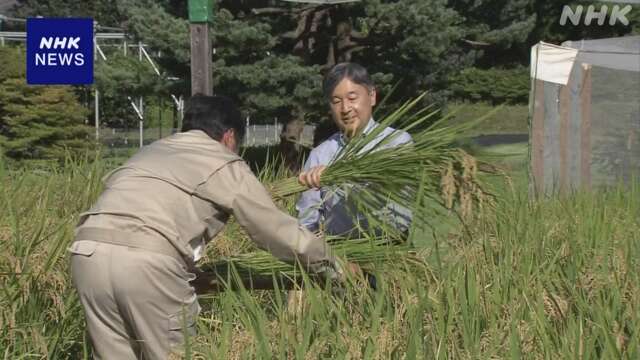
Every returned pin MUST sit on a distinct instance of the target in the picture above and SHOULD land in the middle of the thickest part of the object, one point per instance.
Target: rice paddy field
(525, 279)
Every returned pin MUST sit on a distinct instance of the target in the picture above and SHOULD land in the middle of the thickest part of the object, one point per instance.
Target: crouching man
(133, 256)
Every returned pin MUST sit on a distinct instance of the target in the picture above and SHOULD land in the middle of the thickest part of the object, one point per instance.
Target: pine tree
(121, 77)
(416, 43)
(105, 12)
(38, 122)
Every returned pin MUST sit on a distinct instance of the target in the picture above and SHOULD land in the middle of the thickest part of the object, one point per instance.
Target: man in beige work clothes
(133, 255)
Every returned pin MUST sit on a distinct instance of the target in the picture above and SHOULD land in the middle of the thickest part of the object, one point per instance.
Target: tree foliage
(38, 121)
(495, 86)
(270, 55)
(121, 79)
(503, 31)
(274, 57)
(104, 12)
(415, 45)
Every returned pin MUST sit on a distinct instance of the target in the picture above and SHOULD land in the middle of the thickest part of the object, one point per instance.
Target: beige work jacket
(181, 189)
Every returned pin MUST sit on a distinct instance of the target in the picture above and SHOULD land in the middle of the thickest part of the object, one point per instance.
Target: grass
(510, 119)
(553, 278)
(40, 313)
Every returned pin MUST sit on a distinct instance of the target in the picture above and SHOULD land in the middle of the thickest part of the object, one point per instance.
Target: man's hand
(206, 283)
(353, 269)
(311, 178)
(349, 273)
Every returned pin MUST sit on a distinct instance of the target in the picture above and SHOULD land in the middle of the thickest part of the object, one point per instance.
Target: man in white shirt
(351, 95)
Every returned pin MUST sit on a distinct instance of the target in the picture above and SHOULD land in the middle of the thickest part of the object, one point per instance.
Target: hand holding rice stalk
(371, 174)
(430, 169)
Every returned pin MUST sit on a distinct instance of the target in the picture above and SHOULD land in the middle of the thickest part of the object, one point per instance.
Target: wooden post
(537, 138)
(160, 105)
(141, 122)
(275, 130)
(200, 15)
(585, 136)
(97, 113)
(96, 98)
(565, 104)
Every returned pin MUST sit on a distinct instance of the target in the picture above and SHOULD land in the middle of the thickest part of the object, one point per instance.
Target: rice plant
(429, 170)
(39, 311)
(526, 279)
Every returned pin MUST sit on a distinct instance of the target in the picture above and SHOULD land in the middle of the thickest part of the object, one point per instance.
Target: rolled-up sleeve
(310, 203)
(236, 189)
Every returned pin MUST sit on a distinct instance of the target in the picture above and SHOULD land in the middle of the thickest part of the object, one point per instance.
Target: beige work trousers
(138, 304)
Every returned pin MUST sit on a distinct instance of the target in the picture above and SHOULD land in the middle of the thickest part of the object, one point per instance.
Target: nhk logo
(616, 13)
(63, 59)
(59, 51)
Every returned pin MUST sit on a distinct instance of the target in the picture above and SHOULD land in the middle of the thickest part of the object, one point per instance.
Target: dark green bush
(496, 86)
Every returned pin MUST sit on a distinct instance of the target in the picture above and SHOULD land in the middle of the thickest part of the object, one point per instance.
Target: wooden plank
(551, 153)
(565, 105)
(585, 133)
(575, 128)
(201, 80)
(537, 138)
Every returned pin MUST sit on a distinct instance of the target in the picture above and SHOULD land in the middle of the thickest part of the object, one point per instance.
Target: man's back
(155, 193)
(133, 250)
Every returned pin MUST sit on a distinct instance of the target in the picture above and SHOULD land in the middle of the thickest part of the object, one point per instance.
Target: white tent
(584, 114)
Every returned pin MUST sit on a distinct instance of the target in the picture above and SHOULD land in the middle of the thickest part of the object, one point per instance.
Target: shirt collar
(367, 129)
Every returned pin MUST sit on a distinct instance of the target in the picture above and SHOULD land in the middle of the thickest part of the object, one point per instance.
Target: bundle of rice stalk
(371, 174)
(261, 264)
(254, 261)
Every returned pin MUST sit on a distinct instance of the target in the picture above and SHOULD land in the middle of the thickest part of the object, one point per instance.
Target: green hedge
(495, 86)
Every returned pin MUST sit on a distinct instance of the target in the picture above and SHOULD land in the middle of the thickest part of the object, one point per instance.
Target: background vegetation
(529, 279)
(270, 55)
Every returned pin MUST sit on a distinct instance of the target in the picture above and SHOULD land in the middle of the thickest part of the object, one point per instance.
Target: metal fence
(264, 135)
(255, 135)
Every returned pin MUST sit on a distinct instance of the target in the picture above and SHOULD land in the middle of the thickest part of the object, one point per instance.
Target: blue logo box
(59, 51)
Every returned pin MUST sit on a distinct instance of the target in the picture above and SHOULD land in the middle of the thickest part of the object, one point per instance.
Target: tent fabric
(585, 121)
(552, 63)
(614, 53)
(626, 44)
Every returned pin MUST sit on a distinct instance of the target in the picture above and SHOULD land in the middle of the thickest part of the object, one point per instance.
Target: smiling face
(351, 106)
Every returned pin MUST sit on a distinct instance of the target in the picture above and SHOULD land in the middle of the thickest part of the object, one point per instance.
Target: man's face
(351, 106)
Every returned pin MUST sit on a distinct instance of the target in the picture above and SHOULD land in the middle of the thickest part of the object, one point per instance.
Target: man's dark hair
(214, 115)
(352, 71)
